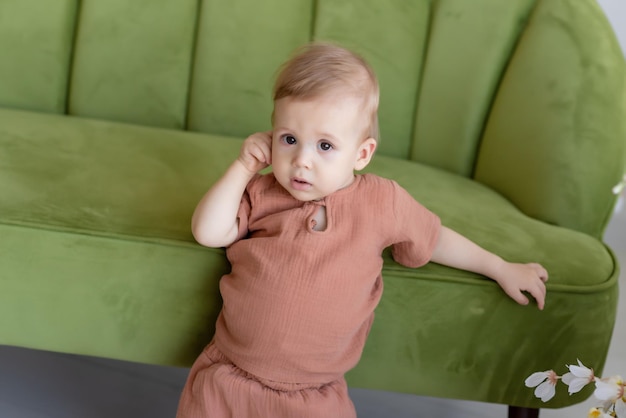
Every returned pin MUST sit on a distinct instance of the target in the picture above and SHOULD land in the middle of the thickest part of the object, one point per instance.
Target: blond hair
(321, 68)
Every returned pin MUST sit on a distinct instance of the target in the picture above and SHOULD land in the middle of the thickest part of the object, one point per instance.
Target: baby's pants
(216, 388)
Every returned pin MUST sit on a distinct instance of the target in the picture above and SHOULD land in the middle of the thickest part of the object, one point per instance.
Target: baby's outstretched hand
(256, 151)
(516, 278)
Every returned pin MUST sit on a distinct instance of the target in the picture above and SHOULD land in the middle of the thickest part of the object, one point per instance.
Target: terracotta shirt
(299, 303)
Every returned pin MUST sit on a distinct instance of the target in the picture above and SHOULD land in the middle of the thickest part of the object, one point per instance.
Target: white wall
(616, 12)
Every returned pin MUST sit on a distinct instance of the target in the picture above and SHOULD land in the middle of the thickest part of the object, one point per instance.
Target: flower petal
(535, 379)
(606, 391)
(545, 391)
(567, 378)
(581, 370)
(620, 408)
(577, 384)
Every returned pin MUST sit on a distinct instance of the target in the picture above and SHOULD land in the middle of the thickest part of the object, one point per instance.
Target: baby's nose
(302, 158)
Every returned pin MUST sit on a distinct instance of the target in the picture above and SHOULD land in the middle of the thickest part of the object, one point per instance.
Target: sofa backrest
(465, 85)
(209, 65)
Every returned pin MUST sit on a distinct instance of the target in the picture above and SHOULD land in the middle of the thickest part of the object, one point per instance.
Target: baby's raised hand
(256, 151)
(517, 278)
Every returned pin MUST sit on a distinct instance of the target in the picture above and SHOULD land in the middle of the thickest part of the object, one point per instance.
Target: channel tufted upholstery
(504, 117)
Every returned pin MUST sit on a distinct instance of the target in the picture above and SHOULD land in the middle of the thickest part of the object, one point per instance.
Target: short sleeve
(417, 230)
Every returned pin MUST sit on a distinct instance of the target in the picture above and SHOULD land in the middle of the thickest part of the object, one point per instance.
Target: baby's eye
(326, 146)
(289, 139)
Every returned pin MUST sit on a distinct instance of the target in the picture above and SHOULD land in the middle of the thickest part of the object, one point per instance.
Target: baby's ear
(365, 153)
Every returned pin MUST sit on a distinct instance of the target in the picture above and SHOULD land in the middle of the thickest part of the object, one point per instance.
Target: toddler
(305, 243)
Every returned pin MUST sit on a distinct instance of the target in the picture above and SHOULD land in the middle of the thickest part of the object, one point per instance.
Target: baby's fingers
(260, 153)
(258, 148)
(538, 291)
(264, 145)
(542, 273)
(519, 297)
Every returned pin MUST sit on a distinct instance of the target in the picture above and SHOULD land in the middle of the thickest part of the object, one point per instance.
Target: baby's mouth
(300, 184)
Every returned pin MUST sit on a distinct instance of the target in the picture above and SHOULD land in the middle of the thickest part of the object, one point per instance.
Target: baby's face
(318, 143)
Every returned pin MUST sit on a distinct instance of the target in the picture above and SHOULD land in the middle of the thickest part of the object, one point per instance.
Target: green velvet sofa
(507, 118)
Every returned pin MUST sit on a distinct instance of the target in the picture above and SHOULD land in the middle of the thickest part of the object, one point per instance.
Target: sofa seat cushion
(112, 179)
(96, 177)
(102, 211)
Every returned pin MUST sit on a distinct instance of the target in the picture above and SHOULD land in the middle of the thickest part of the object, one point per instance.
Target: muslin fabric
(217, 388)
(299, 303)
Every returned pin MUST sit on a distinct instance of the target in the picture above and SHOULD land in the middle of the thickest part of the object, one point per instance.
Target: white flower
(578, 377)
(620, 408)
(597, 413)
(610, 389)
(545, 382)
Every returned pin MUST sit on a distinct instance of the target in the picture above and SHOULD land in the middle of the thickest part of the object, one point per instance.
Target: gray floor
(36, 384)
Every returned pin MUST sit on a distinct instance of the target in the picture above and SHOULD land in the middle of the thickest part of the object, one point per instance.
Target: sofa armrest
(555, 141)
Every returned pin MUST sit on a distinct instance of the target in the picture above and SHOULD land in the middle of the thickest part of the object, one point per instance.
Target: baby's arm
(214, 222)
(455, 250)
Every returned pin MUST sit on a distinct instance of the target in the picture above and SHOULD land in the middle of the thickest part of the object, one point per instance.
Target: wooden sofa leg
(519, 412)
